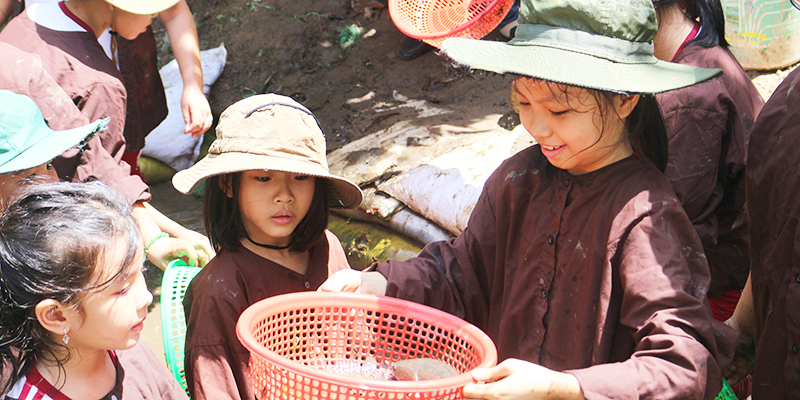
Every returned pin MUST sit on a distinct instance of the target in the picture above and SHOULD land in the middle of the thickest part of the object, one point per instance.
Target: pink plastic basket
(290, 336)
(435, 20)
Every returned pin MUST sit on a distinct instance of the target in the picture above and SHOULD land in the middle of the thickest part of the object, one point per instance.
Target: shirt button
(308, 285)
(544, 293)
(795, 348)
(797, 278)
(113, 397)
(551, 240)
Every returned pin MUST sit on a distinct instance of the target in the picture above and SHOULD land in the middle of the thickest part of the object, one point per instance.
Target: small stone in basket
(422, 369)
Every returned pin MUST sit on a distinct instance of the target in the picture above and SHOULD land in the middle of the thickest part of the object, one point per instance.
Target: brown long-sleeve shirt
(600, 274)
(216, 362)
(22, 73)
(140, 376)
(773, 190)
(708, 126)
(81, 67)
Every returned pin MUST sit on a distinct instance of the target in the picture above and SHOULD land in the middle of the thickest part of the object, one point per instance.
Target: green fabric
(25, 139)
(633, 20)
(595, 44)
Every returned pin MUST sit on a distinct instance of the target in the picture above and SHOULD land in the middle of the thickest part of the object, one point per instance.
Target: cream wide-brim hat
(269, 132)
(143, 7)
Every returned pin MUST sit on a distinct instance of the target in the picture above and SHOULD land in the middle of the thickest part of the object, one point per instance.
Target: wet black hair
(710, 15)
(645, 125)
(223, 217)
(52, 237)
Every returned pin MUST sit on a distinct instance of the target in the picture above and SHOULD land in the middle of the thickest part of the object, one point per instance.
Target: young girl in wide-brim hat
(578, 260)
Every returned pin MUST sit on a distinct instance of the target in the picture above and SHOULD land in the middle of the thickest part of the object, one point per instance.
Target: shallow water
(366, 369)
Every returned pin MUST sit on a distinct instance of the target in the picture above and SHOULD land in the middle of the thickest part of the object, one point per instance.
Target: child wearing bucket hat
(578, 259)
(32, 152)
(267, 197)
(28, 146)
(103, 54)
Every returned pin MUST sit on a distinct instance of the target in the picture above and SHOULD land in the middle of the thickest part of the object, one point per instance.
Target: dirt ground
(293, 48)
(341, 62)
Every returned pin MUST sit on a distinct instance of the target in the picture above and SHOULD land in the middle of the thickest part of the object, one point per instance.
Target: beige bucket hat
(269, 132)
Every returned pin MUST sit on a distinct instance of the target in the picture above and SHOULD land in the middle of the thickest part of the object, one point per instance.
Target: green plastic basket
(726, 393)
(176, 279)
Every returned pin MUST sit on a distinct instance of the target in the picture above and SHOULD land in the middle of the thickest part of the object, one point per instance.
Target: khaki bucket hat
(596, 44)
(269, 132)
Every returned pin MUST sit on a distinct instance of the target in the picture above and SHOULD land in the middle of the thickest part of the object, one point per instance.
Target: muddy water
(363, 243)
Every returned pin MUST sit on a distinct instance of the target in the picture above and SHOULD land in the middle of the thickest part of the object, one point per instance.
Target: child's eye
(557, 113)
(301, 177)
(125, 289)
(263, 178)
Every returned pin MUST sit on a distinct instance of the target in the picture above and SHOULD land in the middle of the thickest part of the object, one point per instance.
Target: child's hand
(196, 111)
(169, 248)
(205, 252)
(350, 280)
(517, 379)
(743, 358)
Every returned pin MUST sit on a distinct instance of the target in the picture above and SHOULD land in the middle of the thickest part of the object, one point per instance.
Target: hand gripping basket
(435, 20)
(177, 277)
(292, 337)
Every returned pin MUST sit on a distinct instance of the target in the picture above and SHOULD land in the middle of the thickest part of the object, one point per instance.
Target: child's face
(10, 183)
(272, 203)
(130, 25)
(569, 126)
(111, 317)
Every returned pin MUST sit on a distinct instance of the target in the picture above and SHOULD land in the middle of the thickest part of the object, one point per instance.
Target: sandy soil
(293, 48)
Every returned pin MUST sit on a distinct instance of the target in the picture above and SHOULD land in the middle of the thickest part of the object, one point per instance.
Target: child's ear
(225, 185)
(625, 104)
(49, 313)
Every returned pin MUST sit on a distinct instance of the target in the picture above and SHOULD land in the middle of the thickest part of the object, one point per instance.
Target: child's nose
(145, 297)
(538, 127)
(284, 194)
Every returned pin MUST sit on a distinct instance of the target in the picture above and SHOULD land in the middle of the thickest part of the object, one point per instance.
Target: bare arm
(6, 9)
(186, 48)
(181, 243)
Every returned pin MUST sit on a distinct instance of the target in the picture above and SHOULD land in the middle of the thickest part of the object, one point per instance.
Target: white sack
(167, 142)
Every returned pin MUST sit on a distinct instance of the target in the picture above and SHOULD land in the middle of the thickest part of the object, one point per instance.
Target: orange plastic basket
(435, 20)
(294, 338)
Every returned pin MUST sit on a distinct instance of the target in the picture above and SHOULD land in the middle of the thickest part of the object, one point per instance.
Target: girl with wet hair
(74, 298)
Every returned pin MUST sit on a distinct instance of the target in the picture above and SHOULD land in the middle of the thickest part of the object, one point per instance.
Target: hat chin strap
(114, 35)
(264, 245)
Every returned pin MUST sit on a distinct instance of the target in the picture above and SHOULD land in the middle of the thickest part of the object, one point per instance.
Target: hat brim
(574, 68)
(348, 194)
(50, 145)
(143, 7)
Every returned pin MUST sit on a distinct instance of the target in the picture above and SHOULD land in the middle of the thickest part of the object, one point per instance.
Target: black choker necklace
(266, 246)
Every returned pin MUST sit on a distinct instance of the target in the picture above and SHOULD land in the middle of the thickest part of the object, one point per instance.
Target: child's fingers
(196, 112)
(202, 258)
(342, 281)
(489, 374)
(477, 390)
